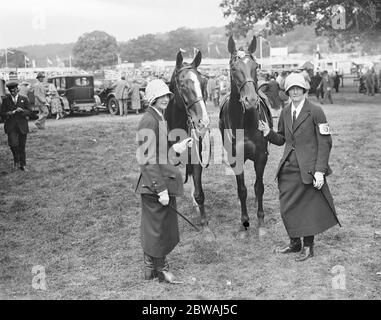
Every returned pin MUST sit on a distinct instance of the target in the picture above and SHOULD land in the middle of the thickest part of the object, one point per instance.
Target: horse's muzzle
(250, 103)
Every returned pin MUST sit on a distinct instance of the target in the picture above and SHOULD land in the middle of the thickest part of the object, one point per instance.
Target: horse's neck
(236, 114)
(176, 119)
(238, 118)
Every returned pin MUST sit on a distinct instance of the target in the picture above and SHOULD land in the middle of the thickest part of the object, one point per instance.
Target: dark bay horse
(242, 109)
(187, 112)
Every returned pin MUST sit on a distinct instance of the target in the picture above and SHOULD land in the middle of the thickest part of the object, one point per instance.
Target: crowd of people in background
(322, 84)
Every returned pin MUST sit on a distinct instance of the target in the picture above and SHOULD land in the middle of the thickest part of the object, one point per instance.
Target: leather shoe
(149, 274)
(23, 168)
(305, 253)
(290, 249)
(167, 276)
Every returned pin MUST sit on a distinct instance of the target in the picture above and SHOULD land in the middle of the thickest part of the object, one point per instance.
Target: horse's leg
(259, 165)
(198, 194)
(242, 195)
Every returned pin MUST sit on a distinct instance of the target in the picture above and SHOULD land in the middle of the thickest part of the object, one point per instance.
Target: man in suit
(159, 223)
(306, 203)
(15, 109)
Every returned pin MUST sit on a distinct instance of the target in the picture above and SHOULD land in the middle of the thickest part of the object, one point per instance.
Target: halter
(242, 85)
(190, 123)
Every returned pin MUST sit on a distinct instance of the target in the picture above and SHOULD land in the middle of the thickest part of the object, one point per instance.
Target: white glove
(183, 145)
(319, 180)
(263, 126)
(164, 197)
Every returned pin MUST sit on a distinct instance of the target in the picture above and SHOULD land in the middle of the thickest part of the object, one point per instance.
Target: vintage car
(76, 93)
(105, 96)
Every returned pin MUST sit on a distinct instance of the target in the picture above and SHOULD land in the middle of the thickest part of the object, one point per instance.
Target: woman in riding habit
(306, 203)
(159, 183)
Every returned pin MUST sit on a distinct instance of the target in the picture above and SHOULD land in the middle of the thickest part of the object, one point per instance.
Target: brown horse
(242, 109)
(187, 112)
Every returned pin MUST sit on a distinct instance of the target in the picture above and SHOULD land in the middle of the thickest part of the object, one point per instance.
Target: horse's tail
(188, 172)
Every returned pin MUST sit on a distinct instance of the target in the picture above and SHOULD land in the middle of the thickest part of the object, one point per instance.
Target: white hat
(295, 79)
(156, 89)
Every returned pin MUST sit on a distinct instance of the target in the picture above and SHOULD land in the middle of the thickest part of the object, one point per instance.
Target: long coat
(39, 91)
(305, 210)
(135, 97)
(121, 89)
(159, 224)
(19, 119)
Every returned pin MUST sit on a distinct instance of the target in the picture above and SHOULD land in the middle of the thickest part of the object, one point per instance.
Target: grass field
(75, 214)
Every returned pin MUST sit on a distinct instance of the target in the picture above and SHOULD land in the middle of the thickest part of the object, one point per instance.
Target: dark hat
(40, 75)
(12, 84)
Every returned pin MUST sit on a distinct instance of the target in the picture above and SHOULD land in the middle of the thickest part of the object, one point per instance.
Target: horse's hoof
(262, 231)
(243, 235)
(208, 234)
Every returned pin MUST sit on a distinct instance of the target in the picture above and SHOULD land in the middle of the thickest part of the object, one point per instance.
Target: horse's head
(243, 71)
(187, 85)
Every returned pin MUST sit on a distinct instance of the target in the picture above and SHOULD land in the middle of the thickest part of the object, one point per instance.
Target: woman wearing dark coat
(159, 183)
(306, 203)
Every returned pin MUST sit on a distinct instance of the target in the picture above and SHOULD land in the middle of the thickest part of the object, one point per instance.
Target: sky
(28, 22)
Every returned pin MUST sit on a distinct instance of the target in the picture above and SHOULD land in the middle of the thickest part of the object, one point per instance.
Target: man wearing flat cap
(14, 110)
(40, 101)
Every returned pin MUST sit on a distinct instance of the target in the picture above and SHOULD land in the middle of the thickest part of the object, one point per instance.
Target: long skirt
(55, 105)
(305, 210)
(159, 226)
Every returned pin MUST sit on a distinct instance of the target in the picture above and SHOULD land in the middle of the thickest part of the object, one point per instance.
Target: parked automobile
(76, 92)
(105, 96)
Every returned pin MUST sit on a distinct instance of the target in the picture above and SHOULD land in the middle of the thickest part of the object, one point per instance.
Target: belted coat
(305, 210)
(159, 224)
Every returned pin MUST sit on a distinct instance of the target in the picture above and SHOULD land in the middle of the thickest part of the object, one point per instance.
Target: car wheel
(112, 105)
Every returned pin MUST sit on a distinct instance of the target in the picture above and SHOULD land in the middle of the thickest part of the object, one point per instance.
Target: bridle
(191, 126)
(240, 86)
(190, 123)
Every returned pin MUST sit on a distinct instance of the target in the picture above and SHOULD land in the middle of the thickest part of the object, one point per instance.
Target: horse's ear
(179, 59)
(253, 45)
(231, 45)
(197, 59)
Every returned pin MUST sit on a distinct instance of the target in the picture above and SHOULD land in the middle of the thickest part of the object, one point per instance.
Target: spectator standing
(15, 109)
(24, 89)
(336, 81)
(40, 101)
(307, 79)
(121, 94)
(135, 96)
(326, 86)
(55, 102)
